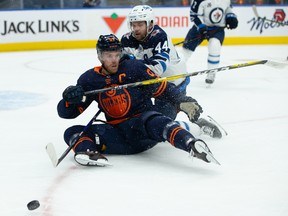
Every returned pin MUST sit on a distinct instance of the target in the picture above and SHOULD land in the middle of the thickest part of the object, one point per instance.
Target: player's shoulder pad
(195, 5)
(86, 75)
(133, 65)
(127, 40)
(126, 36)
(158, 32)
(157, 35)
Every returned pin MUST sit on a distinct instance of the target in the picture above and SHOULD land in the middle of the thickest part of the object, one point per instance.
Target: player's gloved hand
(203, 31)
(191, 107)
(74, 94)
(127, 57)
(231, 21)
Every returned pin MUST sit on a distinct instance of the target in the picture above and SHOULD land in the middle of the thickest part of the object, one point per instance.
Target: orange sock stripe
(174, 133)
(81, 140)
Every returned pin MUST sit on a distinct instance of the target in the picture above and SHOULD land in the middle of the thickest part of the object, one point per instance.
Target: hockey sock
(83, 144)
(178, 136)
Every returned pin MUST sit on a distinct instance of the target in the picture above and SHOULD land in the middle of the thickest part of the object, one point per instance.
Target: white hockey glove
(192, 109)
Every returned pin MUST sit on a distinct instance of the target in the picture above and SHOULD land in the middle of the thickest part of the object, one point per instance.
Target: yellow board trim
(91, 43)
(48, 45)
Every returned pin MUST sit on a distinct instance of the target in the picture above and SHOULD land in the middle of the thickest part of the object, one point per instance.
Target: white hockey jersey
(210, 12)
(158, 52)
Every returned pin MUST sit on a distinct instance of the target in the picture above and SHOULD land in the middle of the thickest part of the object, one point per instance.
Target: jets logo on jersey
(216, 15)
(115, 103)
(155, 32)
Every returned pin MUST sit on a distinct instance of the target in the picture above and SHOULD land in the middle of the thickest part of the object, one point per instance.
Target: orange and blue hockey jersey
(119, 105)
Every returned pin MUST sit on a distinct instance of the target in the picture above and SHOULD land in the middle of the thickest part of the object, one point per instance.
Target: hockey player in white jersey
(210, 17)
(148, 42)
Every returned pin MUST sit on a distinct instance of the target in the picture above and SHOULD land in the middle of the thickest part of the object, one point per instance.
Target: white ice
(250, 103)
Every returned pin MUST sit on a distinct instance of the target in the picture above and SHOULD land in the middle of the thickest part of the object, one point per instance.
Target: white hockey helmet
(142, 13)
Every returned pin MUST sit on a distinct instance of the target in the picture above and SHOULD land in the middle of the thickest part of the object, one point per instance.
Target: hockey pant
(133, 136)
(193, 39)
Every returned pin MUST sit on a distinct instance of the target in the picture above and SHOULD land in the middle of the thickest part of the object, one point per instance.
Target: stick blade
(255, 11)
(52, 154)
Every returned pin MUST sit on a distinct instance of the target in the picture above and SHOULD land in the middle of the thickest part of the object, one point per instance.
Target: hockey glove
(127, 57)
(203, 31)
(231, 21)
(74, 94)
(192, 109)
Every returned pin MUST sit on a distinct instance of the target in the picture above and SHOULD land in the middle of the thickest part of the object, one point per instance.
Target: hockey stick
(51, 150)
(182, 42)
(169, 78)
(198, 36)
(264, 18)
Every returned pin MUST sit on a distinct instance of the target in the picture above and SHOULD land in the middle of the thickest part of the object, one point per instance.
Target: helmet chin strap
(151, 27)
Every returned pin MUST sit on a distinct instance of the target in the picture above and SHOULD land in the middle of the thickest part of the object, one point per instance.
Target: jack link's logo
(262, 24)
(38, 27)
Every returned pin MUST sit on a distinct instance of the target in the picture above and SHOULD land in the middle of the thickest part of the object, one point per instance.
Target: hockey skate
(91, 158)
(209, 127)
(210, 78)
(200, 150)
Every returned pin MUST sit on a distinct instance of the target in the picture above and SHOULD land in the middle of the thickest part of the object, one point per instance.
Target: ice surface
(251, 104)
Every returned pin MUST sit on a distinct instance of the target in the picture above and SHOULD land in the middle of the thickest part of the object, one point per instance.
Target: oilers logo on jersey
(115, 103)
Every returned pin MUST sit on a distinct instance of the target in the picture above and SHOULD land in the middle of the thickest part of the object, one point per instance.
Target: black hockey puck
(34, 204)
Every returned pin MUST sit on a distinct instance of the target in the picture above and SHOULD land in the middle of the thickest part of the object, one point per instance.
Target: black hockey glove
(191, 107)
(231, 21)
(203, 31)
(73, 94)
(127, 57)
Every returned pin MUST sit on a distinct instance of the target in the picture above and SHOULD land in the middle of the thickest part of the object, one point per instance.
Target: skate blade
(209, 156)
(218, 125)
(212, 159)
